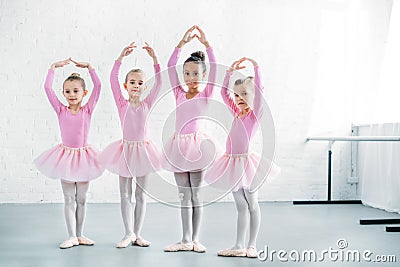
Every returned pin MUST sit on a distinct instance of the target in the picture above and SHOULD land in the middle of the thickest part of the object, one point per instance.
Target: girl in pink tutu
(73, 161)
(240, 170)
(135, 155)
(182, 152)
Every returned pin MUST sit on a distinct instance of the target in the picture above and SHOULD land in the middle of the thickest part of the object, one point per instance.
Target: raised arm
(212, 74)
(172, 73)
(94, 97)
(114, 76)
(115, 87)
(226, 97)
(48, 84)
(225, 86)
(211, 58)
(258, 90)
(151, 98)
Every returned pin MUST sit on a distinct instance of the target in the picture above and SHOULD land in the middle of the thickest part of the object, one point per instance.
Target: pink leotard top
(189, 109)
(74, 128)
(134, 119)
(242, 129)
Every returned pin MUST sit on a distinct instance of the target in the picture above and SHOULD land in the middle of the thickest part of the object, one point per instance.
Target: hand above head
(190, 36)
(236, 65)
(202, 38)
(60, 64)
(187, 37)
(151, 52)
(81, 64)
(127, 51)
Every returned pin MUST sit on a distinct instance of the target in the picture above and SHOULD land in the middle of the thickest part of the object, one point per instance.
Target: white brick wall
(284, 36)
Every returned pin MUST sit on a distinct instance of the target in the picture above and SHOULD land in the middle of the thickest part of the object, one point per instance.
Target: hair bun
(199, 54)
(75, 75)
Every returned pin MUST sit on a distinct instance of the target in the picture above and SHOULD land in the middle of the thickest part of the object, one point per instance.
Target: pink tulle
(232, 172)
(142, 157)
(70, 164)
(189, 152)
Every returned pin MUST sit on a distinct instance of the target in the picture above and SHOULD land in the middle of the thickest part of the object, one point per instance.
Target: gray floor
(30, 234)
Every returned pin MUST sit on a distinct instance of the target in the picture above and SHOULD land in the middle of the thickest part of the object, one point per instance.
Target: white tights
(125, 189)
(75, 193)
(191, 206)
(247, 206)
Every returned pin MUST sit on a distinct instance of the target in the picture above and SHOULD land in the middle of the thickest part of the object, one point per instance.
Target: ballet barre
(332, 140)
(354, 138)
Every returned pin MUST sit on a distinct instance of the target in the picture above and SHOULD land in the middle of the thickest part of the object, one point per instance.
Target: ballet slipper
(179, 247)
(125, 242)
(69, 243)
(232, 252)
(83, 240)
(198, 247)
(252, 252)
(141, 242)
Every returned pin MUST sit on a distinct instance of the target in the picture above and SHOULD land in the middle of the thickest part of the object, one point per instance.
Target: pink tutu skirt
(232, 172)
(189, 152)
(70, 164)
(131, 158)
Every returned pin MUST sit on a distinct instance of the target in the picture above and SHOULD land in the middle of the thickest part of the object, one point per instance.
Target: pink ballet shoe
(126, 242)
(179, 247)
(252, 252)
(198, 247)
(69, 243)
(141, 242)
(232, 252)
(83, 240)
